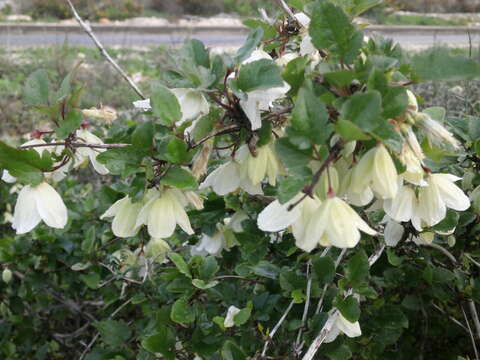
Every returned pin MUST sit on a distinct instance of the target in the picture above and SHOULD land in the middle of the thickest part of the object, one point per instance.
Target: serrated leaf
(163, 342)
(349, 308)
(324, 268)
(260, 74)
(37, 88)
(142, 137)
(114, 332)
(363, 109)
(180, 263)
(72, 122)
(122, 161)
(357, 268)
(165, 105)
(179, 178)
(331, 29)
(177, 151)
(182, 312)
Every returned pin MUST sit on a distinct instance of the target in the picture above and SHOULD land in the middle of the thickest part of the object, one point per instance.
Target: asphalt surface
(226, 38)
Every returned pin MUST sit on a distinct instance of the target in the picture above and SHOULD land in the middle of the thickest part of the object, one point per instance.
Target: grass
(418, 20)
(102, 84)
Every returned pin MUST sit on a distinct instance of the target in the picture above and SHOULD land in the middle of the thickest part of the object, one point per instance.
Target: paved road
(221, 38)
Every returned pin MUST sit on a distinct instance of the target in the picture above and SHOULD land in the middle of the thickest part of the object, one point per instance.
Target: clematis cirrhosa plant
(124, 214)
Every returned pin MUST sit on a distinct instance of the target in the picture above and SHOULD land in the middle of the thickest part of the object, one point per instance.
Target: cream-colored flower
(377, 170)
(435, 131)
(157, 250)
(434, 199)
(343, 326)
(334, 223)
(37, 203)
(163, 211)
(229, 319)
(393, 232)
(403, 206)
(124, 214)
(263, 164)
(105, 113)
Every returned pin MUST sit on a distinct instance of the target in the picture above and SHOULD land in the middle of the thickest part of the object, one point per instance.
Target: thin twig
(443, 250)
(297, 347)
(287, 10)
(450, 317)
(275, 329)
(476, 322)
(472, 337)
(104, 52)
(226, 130)
(76, 145)
(325, 287)
(312, 350)
(238, 277)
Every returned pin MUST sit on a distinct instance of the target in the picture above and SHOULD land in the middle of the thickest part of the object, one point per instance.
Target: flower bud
(7, 275)
(107, 114)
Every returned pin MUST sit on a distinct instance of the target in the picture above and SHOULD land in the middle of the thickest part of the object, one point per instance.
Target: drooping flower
(403, 206)
(234, 174)
(37, 203)
(334, 223)
(157, 250)
(377, 170)
(392, 232)
(434, 199)
(435, 131)
(264, 164)
(342, 325)
(229, 319)
(91, 154)
(124, 214)
(163, 211)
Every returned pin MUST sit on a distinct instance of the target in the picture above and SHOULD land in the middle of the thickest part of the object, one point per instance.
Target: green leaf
(25, 165)
(114, 332)
(122, 161)
(242, 316)
(310, 115)
(357, 268)
(324, 268)
(350, 308)
(294, 73)
(341, 78)
(142, 137)
(72, 122)
(179, 178)
(439, 64)
(181, 312)
(37, 88)
(181, 265)
(331, 29)
(230, 351)
(336, 351)
(254, 37)
(177, 151)
(448, 223)
(292, 157)
(290, 186)
(196, 49)
(395, 102)
(266, 269)
(201, 284)
(349, 131)
(260, 74)
(386, 132)
(91, 280)
(364, 110)
(162, 342)
(165, 105)
(208, 268)
(65, 87)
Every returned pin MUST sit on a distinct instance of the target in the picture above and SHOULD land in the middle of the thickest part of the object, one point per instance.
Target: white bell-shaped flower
(434, 199)
(124, 214)
(435, 131)
(105, 113)
(192, 104)
(163, 211)
(209, 245)
(37, 203)
(157, 250)
(377, 170)
(231, 176)
(343, 326)
(402, 207)
(91, 154)
(264, 164)
(229, 319)
(334, 223)
(8, 178)
(393, 232)
(412, 102)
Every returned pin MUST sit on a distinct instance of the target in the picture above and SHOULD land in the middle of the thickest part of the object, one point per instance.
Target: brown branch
(226, 130)
(104, 52)
(238, 277)
(316, 178)
(287, 10)
(77, 145)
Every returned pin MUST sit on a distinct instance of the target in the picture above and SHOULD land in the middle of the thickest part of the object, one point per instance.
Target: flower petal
(161, 218)
(451, 194)
(402, 206)
(276, 217)
(25, 216)
(50, 206)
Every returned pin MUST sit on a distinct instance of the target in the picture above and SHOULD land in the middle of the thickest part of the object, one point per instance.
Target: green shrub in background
(91, 9)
